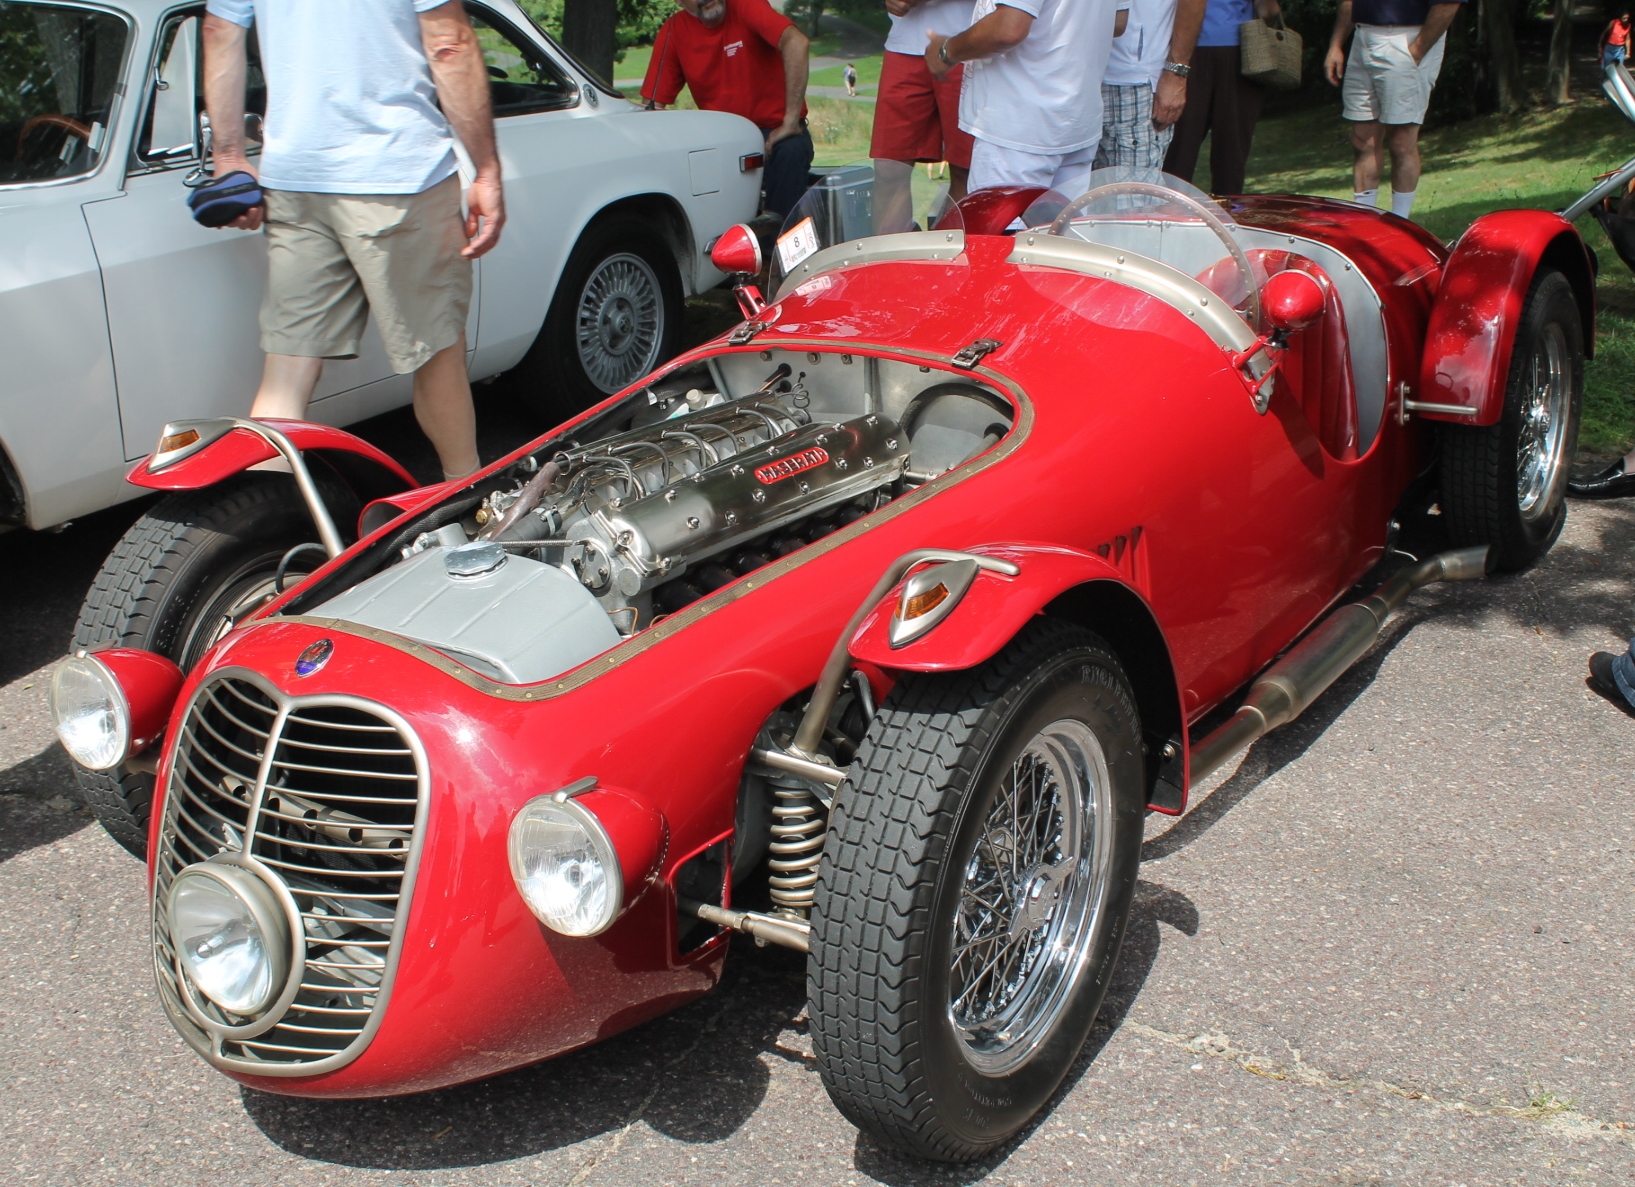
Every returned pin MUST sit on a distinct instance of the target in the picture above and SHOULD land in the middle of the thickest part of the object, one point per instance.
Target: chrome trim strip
(876, 249)
(185, 1025)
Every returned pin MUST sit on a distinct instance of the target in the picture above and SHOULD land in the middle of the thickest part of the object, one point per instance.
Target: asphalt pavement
(1392, 946)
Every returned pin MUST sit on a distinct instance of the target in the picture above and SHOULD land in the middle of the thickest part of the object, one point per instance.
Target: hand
(1169, 99)
(252, 218)
(1417, 51)
(900, 7)
(789, 127)
(1334, 65)
(485, 201)
(933, 60)
(1267, 9)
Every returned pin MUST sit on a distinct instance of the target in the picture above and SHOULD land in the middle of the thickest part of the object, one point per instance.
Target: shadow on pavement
(1153, 904)
(39, 803)
(695, 1075)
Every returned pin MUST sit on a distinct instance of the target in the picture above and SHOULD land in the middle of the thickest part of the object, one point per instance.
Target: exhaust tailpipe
(1288, 687)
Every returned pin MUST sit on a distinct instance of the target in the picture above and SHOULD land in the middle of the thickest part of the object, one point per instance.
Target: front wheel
(616, 315)
(974, 892)
(1506, 484)
(194, 564)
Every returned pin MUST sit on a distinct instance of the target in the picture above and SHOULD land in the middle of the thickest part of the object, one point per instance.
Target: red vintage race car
(874, 629)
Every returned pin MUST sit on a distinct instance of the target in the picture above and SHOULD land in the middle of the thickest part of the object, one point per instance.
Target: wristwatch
(942, 53)
(1179, 69)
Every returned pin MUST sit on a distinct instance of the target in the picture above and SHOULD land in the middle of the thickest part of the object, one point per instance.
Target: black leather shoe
(1601, 680)
(1611, 483)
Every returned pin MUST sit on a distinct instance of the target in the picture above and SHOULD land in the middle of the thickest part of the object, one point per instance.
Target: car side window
(521, 77)
(174, 94)
(59, 68)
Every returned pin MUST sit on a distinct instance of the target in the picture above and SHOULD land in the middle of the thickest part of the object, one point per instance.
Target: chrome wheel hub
(1030, 898)
(1540, 445)
(620, 323)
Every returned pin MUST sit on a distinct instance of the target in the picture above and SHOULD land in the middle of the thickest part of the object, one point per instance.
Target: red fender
(988, 616)
(1479, 303)
(239, 449)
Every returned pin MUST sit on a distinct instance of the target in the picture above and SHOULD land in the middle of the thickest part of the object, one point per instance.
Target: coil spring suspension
(799, 823)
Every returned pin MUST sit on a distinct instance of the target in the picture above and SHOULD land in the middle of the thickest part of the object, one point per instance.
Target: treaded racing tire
(559, 381)
(1491, 494)
(164, 587)
(904, 834)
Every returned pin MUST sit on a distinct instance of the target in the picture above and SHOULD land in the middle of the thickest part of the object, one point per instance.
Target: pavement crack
(1546, 1109)
(598, 1158)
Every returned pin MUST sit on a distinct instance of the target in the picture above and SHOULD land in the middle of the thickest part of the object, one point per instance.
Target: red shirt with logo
(733, 67)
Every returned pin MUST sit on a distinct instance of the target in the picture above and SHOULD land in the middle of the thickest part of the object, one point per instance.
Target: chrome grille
(327, 793)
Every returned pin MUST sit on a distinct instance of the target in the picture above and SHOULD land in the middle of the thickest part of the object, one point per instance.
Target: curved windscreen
(1159, 216)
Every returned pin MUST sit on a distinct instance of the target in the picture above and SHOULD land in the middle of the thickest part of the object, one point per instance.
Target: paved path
(1392, 946)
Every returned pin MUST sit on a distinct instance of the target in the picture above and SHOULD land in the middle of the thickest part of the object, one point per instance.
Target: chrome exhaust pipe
(766, 929)
(1287, 688)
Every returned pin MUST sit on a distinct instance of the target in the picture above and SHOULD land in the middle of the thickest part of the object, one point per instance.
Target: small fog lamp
(89, 712)
(565, 866)
(231, 936)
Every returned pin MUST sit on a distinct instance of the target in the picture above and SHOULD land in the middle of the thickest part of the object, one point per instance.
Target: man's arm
(1170, 96)
(1436, 23)
(1334, 62)
(461, 77)
(793, 47)
(1002, 29)
(226, 67)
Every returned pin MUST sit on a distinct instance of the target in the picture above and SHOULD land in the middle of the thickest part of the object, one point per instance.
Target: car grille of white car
(336, 822)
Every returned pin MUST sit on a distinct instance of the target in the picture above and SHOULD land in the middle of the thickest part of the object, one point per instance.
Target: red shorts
(916, 118)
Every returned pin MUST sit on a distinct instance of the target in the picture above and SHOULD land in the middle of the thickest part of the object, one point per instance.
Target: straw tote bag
(1270, 56)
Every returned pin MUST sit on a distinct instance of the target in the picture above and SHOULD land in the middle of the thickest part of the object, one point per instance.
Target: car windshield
(59, 67)
(1137, 211)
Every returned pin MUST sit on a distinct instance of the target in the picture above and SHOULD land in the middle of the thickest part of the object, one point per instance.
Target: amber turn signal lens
(925, 602)
(178, 441)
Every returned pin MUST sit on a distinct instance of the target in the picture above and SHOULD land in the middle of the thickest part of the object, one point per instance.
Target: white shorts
(1066, 173)
(1383, 84)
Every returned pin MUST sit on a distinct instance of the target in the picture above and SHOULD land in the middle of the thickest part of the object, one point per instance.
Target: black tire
(561, 379)
(165, 588)
(1490, 494)
(903, 837)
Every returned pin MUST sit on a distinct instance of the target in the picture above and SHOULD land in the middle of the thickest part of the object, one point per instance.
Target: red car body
(1138, 491)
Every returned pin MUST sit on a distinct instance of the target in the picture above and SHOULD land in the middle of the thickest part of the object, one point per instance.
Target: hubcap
(1030, 899)
(621, 321)
(1540, 446)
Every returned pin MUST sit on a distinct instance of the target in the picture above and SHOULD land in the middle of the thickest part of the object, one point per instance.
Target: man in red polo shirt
(742, 57)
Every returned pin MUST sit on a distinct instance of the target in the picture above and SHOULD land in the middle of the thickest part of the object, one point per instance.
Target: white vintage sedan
(118, 313)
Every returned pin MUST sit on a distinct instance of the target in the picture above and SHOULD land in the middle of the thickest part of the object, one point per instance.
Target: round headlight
(565, 867)
(90, 713)
(230, 935)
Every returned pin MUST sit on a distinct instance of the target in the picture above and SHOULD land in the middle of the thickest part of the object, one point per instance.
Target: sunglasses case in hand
(224, 199)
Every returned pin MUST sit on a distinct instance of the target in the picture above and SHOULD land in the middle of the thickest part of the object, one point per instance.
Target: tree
(590, 33)
(1558, 88)
(1499, 23)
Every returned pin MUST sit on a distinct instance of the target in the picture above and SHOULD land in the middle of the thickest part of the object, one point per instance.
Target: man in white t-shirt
(1145, 88)
(1032, 93)
(362, 200)
(916, 115)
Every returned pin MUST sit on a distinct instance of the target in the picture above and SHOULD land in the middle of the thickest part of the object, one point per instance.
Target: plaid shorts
(1128, 136)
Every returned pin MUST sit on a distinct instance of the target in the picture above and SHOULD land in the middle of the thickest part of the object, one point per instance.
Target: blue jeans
(1613, 53)
(784, 177)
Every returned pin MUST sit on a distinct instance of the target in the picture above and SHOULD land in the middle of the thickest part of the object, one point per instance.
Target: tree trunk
(1559, 87)
(589, 33)
(816, 9)
(1498, 22)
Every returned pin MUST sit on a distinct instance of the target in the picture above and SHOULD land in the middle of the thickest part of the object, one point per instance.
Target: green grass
(1541, 159)
(868, 73)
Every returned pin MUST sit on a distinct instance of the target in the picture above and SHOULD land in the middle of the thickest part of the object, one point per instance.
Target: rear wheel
(1506, 484)
(193, 565)
(616, 315)
(974, 892)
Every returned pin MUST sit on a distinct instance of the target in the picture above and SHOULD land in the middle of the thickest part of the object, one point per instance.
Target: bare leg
(442, 405)
(1366, 164)
(893, 196)
(1403, 141)
(287, 384)
(956, 183)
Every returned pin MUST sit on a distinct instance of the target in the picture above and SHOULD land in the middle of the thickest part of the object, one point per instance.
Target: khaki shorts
(332, 258)
(1382, 81)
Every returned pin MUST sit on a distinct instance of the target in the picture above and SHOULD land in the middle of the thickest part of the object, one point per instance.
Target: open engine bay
(708, 474)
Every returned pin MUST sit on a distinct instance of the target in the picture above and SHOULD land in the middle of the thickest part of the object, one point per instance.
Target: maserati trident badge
(314, 657)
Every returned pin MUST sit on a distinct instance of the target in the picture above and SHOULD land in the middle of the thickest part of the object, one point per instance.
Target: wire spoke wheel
(1542, 434)
(1032, 887)
(620, 322)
